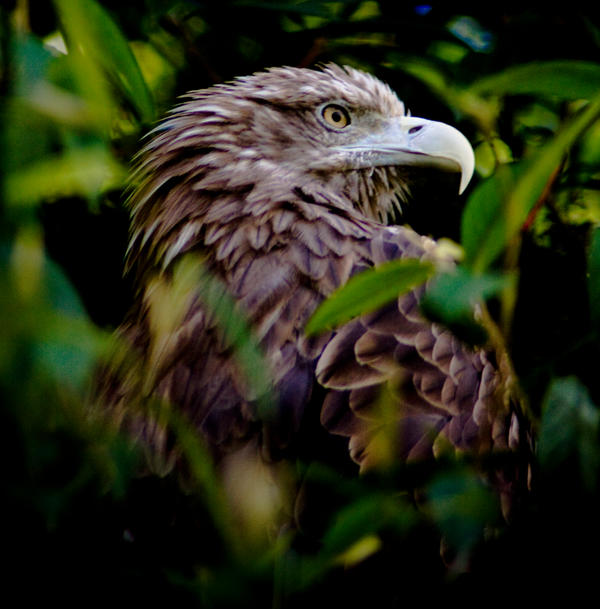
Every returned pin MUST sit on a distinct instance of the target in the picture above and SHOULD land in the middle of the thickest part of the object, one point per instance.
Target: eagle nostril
(414, 130)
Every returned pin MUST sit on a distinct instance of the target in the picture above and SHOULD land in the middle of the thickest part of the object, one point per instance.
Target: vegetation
(81, 82)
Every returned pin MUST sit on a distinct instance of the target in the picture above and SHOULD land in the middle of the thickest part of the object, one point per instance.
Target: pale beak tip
(465, 177)
(466, 161)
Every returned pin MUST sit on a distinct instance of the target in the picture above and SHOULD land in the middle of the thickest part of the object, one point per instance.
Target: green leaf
(360, 550)
(357, 520)
(363, 519)
(593, 280)
(459, 291)
(562, 79)
(468, 30)
(570, 430)
(30, 61)
(90, 29)
(86, 172)
(462, 507)
(497, 209)
(65, 344)
(484, 231)
(67, 350)
(489, 154)
(451, 298)
(369, 290)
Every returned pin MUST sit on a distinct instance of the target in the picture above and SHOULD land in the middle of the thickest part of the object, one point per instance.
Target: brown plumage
(282, 183)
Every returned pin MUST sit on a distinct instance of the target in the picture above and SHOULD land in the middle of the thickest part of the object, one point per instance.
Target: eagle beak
(430, 143)
(409, 140)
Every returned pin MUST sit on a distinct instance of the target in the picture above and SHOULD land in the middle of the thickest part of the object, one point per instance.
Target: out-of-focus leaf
(362, 519)
(580, 207)
(462, 507)
(60, 293)
(369, 290)
(27, 260)
(537, 116)
(484, 233)
(369, 9)
(258, 495)
(30, 64)
(59, 105)
(593, 279)
(448, 51)
(89, 29)
(471, 33)
(497, 209)
(82, 71)
(490, 154)
(590, 146)
(451, 298)
(535, 125)
(360, 550)
(87, 172)
(68, 344)
(29, 136)
(458, 291)
(158, 73)
(67, 350)
(570, 430)
(560, 79)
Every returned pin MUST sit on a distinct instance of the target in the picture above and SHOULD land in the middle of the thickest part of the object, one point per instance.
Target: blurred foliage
(81, 82)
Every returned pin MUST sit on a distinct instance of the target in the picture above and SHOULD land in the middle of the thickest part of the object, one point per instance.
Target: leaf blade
(91, 28)
(369, 290)
(563, 79)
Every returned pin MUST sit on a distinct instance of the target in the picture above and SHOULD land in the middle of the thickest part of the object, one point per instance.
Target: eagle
(280, 187)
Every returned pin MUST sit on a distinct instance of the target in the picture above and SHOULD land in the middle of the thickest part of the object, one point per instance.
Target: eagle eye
(335, 116)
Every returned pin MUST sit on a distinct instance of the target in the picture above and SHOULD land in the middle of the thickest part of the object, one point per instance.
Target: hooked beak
(409, 140)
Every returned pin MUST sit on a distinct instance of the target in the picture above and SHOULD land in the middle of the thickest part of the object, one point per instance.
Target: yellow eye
(335, 116)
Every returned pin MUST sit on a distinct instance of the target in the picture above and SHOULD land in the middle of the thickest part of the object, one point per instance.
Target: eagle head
(334, 134)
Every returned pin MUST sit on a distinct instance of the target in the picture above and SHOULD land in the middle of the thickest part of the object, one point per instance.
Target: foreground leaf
(451, 299)
(368, 291)
(462, 507)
